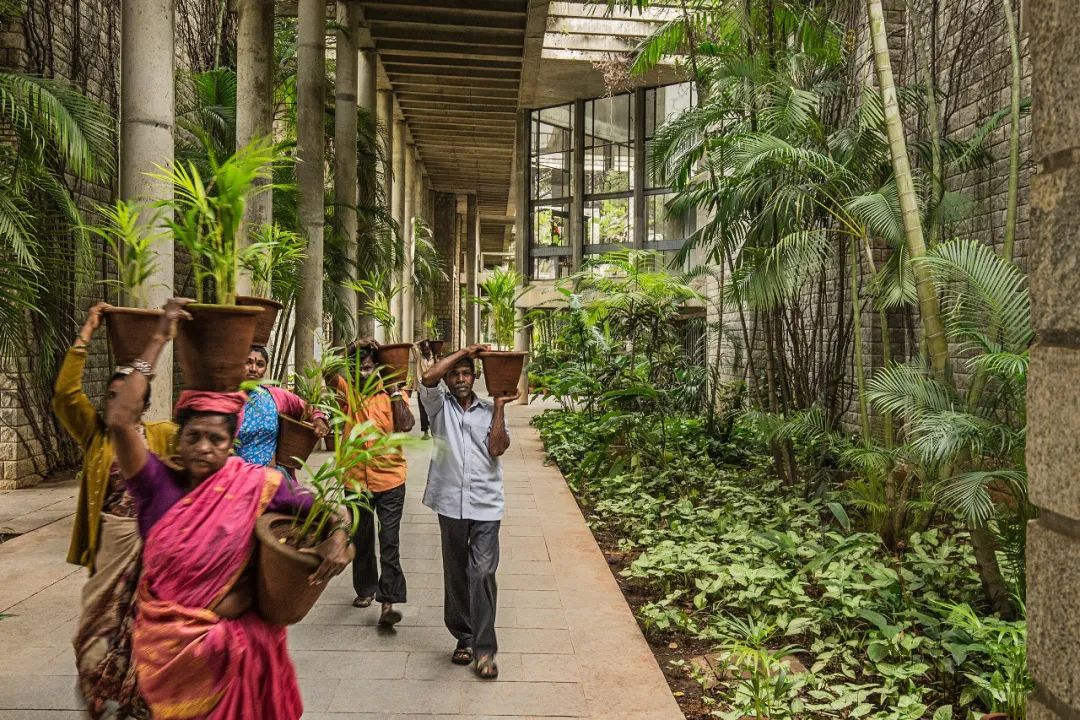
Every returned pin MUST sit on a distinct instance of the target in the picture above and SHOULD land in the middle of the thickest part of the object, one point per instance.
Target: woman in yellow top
(105, 538)
(389, 410)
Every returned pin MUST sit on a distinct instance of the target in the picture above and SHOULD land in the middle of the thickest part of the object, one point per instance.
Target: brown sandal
(462, 656)
(362, 601)
(486, 669)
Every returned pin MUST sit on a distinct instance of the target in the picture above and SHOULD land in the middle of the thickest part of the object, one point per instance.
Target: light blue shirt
(464, 481)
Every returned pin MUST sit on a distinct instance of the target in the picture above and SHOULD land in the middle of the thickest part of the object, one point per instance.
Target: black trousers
(470, 550)
(423, 419)
(388, 585)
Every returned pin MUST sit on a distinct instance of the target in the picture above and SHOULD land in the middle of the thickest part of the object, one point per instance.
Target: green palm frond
(967, 494)
(985, 299)
(909, 391)
(51, 116)
(768, 278)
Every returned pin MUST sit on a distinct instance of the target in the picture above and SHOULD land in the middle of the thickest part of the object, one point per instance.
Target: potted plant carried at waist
(284, 595)
(207, 216)
(273, 253)
(129, 232)
(297, 438)
(502, 366)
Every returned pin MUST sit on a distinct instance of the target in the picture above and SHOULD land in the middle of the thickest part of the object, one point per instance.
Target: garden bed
(758, 601)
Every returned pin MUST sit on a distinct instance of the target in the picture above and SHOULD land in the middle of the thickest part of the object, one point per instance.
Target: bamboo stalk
(929, 307)
(1014, 133)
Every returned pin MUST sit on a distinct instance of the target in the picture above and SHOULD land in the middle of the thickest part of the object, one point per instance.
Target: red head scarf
(225, 403)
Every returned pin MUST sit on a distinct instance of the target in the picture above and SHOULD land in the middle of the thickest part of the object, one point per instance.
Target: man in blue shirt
(465, 488)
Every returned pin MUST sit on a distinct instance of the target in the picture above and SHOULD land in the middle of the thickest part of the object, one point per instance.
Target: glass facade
(592, 188)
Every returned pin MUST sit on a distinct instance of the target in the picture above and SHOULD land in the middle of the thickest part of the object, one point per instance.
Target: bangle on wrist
(142, 367)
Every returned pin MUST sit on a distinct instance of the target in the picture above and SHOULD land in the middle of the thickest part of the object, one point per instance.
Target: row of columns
(147, 120)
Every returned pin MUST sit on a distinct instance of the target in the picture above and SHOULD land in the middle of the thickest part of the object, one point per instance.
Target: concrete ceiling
(455, 67)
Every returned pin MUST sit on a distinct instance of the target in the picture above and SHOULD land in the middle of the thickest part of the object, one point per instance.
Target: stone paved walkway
(570, 646)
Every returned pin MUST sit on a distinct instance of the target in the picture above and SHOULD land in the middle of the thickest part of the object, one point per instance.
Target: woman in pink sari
(199, 649)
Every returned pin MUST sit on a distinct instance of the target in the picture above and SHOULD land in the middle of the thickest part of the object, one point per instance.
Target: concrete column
(472, 267)
(254, 103)
(398, 204)
(457, 269)
(386, 124)
(345, 177)
(310, 92)
(1053, 541)
(408, 297)
(367, 98)
(522, 341)
(147, 114)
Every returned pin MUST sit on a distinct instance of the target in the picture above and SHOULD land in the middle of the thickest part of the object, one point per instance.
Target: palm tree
(58, 132)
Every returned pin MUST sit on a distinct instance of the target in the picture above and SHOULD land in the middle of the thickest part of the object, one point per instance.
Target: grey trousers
(470, 551)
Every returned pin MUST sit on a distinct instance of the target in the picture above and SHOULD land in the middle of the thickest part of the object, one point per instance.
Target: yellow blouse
(78, 416)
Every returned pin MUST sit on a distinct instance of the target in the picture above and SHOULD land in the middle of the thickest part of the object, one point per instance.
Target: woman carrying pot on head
(199, 649)
(105, 538)
(257, 438)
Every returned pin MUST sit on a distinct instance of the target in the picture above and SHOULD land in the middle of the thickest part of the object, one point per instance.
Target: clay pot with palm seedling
(129, 233)
(207, 218)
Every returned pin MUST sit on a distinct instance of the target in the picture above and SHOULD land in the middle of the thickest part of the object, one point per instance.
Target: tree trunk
(982, 542)
(929, 308)
(856, 328)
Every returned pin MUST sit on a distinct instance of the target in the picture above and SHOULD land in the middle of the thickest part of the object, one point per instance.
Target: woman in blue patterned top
(258, 433)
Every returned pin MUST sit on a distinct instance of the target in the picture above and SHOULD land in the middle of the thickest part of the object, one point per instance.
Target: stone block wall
(77, 41)
(972, 64)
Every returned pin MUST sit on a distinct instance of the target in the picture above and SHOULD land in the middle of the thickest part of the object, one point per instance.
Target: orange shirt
(389, 471)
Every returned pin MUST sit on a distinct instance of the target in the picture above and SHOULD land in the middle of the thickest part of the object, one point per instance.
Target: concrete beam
(426, 33)
(443, 17)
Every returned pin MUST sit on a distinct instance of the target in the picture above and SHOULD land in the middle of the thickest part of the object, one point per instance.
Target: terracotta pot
(503, 371)
(130, 329)
(436, 347)
(296, 439)
(265, 324)
(329, 443)
(283, 594)
(213, 346)
(396, 359)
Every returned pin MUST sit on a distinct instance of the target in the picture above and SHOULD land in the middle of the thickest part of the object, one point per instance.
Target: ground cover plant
(735, 560)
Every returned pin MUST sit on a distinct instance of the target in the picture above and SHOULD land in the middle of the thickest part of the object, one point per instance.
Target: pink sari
(191, 663)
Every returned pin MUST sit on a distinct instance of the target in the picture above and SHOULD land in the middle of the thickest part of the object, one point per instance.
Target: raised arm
(498, 438)
(438, 370)
(122, 412)
(69, 402)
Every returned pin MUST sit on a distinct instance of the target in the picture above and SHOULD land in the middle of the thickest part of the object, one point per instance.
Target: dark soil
(291, 535)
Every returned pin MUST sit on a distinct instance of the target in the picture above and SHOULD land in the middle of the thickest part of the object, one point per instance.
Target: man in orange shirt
(389, 410)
